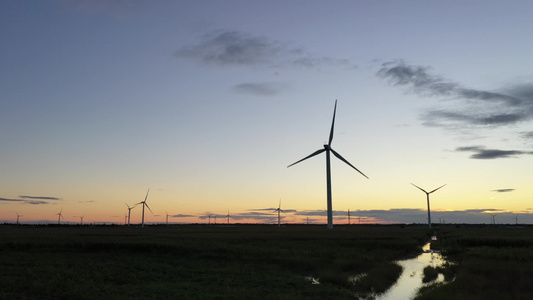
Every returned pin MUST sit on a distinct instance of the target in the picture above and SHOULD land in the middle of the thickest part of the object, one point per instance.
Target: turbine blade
(420, 188)
(146, 195)
(311, 155)
(282, 211)
(332, 124)
(344, 160)
(437, 188)
(148, 207)
(127, 205)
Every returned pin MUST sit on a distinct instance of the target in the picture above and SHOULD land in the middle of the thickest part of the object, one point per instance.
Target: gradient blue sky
(207, 102)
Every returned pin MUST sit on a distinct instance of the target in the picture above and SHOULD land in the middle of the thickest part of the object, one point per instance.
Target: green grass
(157, 262)
(490, 263)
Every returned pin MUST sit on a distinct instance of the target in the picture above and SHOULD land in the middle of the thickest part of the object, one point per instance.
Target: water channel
(410, 280)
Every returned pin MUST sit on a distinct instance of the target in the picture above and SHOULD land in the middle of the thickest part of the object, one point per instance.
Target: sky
(206, 103)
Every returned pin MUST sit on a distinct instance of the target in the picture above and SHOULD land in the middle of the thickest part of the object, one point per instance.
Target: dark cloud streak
(235, 48)
(476, 107)
(481, 152)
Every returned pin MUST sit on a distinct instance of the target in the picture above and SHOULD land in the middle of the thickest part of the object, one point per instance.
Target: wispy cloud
(182, 216)
(261, 89)
(474, 107)
(10, 200)
(503, 190)
(39, 197)
(35, 200)
(236, 48)
(481, 152)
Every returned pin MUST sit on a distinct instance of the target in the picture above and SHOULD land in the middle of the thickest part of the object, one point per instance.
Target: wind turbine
(227, 216)
(427, 194)
(167, 217)
(59, 217)
(18, 216)
(81, 219)
(144, 204)
(328, 149)
(515, 218)
(129, 210)
(348, 217)
(279, 210)
(493, 219)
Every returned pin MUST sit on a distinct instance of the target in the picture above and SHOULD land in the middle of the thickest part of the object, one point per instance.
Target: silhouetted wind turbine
(81, 219)
(18, 216)
(515, 218)
(59, 216)
(144, 204)
(227, 216)
(348, 217)
(167, 216)
(427, 194)
(328, 149)
(279, 210)
(493, 219)
(129, 212)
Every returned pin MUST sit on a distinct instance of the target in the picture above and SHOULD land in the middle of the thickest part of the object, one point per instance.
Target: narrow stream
(411, 279)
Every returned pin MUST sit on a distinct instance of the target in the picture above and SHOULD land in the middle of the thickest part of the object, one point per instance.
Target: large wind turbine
(427, 194)
(129, 211)
(279, 210)
(144, 204)
(328, 149)
(18, 217)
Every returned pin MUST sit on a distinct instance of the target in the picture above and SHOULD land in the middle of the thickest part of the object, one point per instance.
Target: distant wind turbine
(228, 216)
(18, 217)
(129, 211)
(144, 204)
(328, 149)
(348, 217)
(493, 219)
(81, 219)
(279, 210)
(515, 218)
(427, 194)
(167, 216)
(59, 217)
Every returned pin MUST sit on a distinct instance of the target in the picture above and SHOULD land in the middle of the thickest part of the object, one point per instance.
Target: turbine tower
(427, 194)
(18, 217)
(328, 149)
(167, 217)
(144, 204)
(129, 212)
(81, 219)
(279, 210)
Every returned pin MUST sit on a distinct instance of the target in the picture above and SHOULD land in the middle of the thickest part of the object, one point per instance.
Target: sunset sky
(207, 102)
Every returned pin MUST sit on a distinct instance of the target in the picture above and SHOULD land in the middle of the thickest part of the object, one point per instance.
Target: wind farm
(211, 107)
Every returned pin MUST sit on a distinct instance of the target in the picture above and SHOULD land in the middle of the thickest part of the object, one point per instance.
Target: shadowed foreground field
(156, 262)
(255, 262)
(492, 262)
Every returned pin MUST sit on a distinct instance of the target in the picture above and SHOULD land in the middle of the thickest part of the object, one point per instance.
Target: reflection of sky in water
(411, 279)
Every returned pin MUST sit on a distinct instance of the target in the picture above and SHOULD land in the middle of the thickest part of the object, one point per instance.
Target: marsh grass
(490, 263)
(246, 262)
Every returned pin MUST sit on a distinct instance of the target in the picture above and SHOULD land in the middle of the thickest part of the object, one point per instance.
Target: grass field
(492, 262)
(254, 262)
(158, 262)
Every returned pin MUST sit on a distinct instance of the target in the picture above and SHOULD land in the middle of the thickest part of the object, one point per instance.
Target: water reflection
(411, 279)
